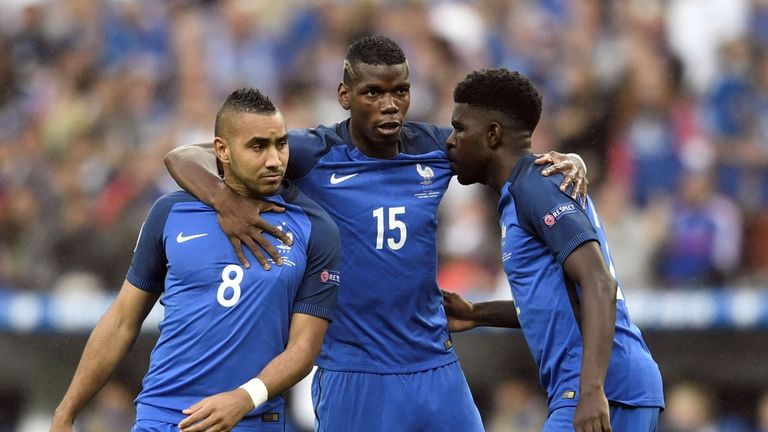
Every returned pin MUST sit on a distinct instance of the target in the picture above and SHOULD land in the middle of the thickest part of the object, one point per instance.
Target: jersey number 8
(228, 282)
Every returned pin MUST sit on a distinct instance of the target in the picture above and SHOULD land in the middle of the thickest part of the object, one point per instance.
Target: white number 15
(394, 224)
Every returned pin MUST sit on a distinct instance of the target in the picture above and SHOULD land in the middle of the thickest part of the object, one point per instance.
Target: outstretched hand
(573, 169)
(220, 412)
(458, 311)
(239, 218)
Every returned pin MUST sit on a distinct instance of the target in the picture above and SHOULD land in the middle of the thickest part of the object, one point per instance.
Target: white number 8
(230, 283)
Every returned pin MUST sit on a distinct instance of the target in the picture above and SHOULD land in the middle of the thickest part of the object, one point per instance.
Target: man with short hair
(242, 335)
(593, 362)
(388, 362)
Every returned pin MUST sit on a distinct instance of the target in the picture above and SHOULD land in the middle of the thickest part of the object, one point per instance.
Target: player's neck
(502, 166)
(498, 175)
(241, 188)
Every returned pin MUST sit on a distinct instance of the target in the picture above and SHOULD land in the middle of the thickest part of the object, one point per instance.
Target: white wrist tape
(575, 156)
(257, 390)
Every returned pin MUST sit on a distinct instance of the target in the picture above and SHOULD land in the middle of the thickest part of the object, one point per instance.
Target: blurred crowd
(666, 100)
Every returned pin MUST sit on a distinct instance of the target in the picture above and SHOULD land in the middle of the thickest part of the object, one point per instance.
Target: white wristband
(257, 390)
(575, 156)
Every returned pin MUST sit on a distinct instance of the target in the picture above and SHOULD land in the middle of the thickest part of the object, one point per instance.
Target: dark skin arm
(194, 169)
(586, 267)
(572, 168)
(464, 315)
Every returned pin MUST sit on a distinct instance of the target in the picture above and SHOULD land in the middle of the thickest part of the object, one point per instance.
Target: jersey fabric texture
(224, 323)
(390, 331)
(158, 426)
(434, 400)
(540, 227)
(390, 316)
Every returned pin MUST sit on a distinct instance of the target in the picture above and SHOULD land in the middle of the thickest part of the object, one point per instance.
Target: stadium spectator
(56, 65)
(518, 407)
(702, 245)
(689, 409)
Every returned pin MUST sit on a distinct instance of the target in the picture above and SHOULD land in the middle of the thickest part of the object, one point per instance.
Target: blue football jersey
(223, 323)
(390, 316)
(540, 227)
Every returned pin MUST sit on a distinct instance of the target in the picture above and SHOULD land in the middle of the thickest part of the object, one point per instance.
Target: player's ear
(493, 135)
(222, 149)
(343, 96)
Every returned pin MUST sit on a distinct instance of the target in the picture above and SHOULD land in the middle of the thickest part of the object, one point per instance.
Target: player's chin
(454, 167)
(463, 178)
(269, 187)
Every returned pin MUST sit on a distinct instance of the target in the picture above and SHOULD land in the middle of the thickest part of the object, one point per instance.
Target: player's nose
(451, 141)
(388, 105)
(272, 157)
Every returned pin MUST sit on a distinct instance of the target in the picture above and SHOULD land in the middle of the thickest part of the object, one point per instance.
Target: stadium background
(667, 101)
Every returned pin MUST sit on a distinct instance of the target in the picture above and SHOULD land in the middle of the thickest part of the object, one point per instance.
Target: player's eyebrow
(369, 87)
(375, 87)
(258, 140)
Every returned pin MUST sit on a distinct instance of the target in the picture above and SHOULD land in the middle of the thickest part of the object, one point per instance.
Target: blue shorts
(432, 400)
(158, 426)
(624, 418)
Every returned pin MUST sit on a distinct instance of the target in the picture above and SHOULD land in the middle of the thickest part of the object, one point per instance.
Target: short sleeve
(554, 217)
(306, 146)
(319, 288)
(149, 264)
(420, 138)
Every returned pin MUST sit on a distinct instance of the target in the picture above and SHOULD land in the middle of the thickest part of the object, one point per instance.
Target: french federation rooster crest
(282, 246)
(426, 172)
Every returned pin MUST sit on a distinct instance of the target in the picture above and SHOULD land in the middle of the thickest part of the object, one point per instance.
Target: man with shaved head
(242, 335)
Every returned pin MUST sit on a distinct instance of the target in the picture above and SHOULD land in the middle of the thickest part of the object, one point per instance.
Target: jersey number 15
(393, 225)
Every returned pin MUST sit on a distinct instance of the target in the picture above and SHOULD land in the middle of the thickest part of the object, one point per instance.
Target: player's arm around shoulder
(194, 168)
(107, 346)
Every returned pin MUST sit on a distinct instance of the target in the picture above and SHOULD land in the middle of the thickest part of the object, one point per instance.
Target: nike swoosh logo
(337, 180)
(181, 238)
